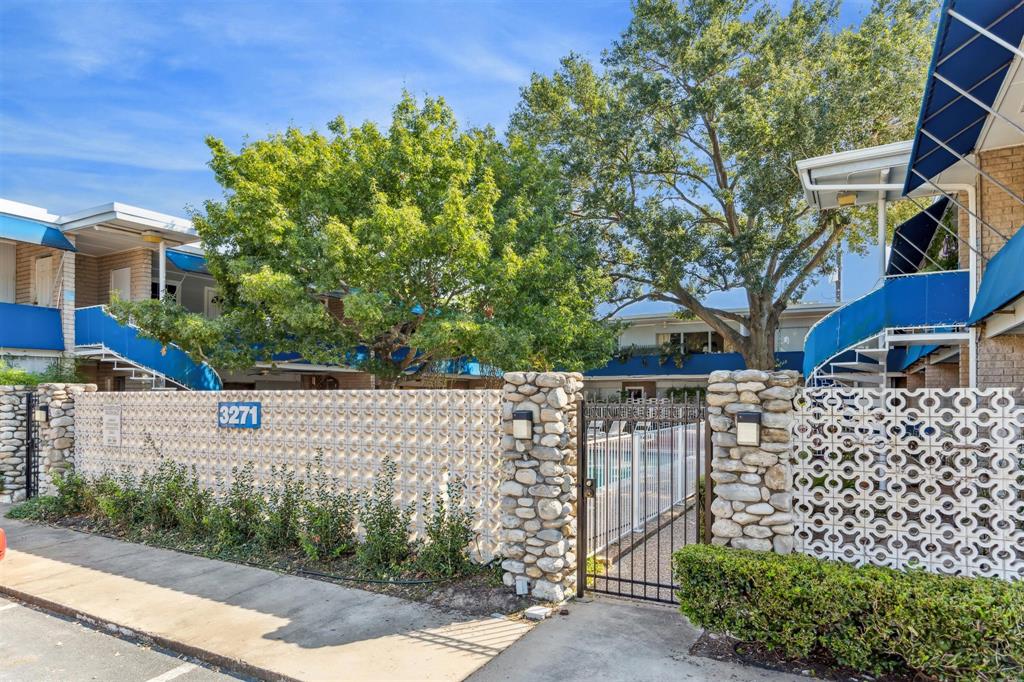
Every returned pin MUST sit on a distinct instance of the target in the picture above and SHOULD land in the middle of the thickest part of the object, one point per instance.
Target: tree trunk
(758, 349)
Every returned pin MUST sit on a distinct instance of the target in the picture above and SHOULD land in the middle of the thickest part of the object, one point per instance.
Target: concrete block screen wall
(429, 434)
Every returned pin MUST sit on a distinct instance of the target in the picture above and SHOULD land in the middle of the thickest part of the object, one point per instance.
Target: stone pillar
(753, 505)
(57, 435)
(13, 436)
(539, 487)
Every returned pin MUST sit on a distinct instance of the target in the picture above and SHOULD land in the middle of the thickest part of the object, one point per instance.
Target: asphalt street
(36, 646)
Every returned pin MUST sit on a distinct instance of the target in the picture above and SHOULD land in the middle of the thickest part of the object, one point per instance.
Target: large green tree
(681, 151)
(391, 251)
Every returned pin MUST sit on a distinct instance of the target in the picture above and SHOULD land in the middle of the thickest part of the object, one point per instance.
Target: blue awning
(912, 238)
(1002, 281)
(694, 364)
(32, 232)
(188, 262)
(975, 64)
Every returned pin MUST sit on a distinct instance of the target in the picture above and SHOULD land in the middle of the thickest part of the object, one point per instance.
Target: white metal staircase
(132, 371)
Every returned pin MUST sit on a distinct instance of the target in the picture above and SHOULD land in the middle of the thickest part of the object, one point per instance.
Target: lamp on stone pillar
(522, 424)
(748, 428)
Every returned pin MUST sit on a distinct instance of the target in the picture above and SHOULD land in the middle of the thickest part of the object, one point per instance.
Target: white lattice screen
(426, 432)
(896, 477)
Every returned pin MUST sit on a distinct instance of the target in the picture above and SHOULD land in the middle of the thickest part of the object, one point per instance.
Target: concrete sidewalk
(254, 621)
(616, 640)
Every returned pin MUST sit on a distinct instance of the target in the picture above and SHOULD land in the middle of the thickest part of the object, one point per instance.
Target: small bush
(386, 525)
(194, 505)
(44, 508)
(73, 493)
(118, 498)
(449, 533)
(280, 529)
(869, 618)
(237, 521)
(327, 527)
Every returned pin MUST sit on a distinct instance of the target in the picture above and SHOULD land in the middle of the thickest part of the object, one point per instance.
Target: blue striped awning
(1002, 281)
(975, 64)
(188, 262)
(32, 232)
(912, 238)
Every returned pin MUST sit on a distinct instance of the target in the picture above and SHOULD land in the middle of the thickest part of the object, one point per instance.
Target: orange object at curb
(3, 544)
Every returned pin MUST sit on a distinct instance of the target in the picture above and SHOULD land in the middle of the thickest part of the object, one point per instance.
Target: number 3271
(239, 415)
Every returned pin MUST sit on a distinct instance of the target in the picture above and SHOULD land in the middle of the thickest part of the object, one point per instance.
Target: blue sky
(110, 101)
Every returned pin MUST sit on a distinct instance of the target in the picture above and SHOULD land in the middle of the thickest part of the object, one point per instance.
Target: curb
(117, 630)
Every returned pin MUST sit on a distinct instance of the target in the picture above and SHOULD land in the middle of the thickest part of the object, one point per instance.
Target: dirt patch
(478, 593)
(722, 647)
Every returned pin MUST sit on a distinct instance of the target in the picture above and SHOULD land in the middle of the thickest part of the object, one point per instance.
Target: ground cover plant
(301, 525)
(868, 618)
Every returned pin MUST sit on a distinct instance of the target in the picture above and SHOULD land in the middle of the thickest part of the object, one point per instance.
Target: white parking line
(174, 672)
(7, 606)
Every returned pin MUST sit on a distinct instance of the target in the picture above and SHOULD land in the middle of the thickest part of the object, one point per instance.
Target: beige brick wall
(86, 281)
(1000, 360)
(25, 256)
(139, 260)
(946, 375)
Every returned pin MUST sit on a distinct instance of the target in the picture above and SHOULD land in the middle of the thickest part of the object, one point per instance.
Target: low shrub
(118, 498)
(281, 527)
(385, 542)
(73, 493)
(449, 532)
(43, 508)
(327, 526)
(869, 618)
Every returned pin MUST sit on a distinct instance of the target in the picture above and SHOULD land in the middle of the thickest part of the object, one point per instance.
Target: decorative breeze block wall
(538, 501)
(427, 433)
(930, 477)
(753, 486)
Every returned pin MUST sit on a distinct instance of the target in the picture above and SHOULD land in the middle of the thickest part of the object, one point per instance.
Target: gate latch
(589, 487)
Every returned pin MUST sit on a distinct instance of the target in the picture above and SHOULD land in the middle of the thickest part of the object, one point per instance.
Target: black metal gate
(32, 462)
(642, 466)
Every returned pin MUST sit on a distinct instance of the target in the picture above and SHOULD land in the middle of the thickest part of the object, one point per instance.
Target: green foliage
(308, 516)
(240, 517)
(119, 498)
(42, 508)
(282, 526)
(869, 618)
(328, 520)
(679, 154)
(449, 532)
(58, 372)
(73, 492)
(385, 525)
(423, 237)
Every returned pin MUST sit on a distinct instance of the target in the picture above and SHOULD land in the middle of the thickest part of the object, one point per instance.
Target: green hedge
(869, 618)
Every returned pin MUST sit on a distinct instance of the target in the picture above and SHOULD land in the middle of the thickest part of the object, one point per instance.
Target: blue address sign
(239, 415)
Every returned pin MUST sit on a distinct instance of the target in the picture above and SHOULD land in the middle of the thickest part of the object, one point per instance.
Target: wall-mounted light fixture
(42, 414)
(748, 428)
(846, 198)
(522, 424)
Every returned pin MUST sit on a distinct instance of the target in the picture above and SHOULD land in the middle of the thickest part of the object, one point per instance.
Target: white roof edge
(891, 149)
(118, 211)
(796, 308)
(23, 210)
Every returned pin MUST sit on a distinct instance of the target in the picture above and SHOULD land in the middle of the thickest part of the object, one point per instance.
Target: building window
(634, 392)
(668, 339)
(172, 289)
(790, 338)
